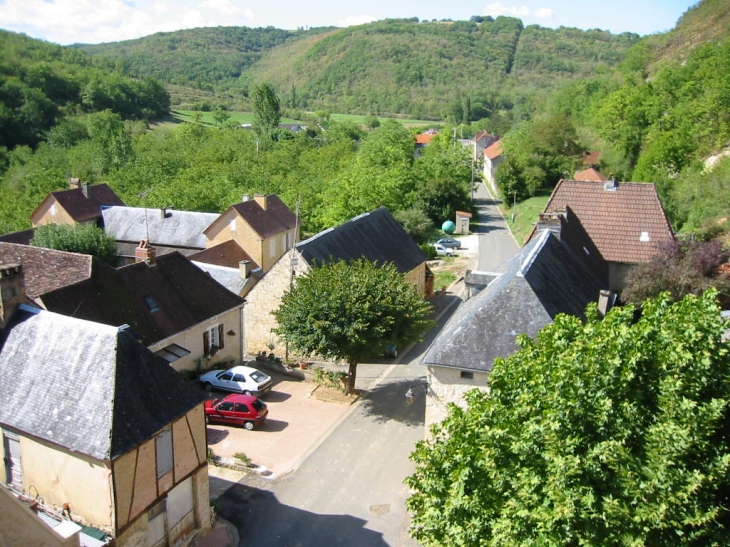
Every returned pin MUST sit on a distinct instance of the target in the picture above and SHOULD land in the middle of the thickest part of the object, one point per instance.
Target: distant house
(264, 227)
(178, 311)
(624, 220)
(168, 230)
(482, 140)
(98, 428)
(230, 266)
(590, 175)
(80, 204)
(376, 236)
(493, 157)
(524, 294)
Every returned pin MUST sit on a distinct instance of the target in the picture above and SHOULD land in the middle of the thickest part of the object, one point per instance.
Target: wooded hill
(419, 69)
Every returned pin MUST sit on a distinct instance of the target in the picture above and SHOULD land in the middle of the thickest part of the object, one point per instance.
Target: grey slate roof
(540, 281)
(88, 387)
(230, 278)
(179, 229)
(46, 269)
(376, 236)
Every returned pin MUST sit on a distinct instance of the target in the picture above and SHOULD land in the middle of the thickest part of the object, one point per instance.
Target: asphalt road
(350, 490)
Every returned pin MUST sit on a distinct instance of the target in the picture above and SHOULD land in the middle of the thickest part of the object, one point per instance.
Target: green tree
(350, 311)
(220, 116)
(80, 238)
(113, 145)
(266, 109)
(609, 432)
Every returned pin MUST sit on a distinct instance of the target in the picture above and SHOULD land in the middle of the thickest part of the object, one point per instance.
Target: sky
(96, 21)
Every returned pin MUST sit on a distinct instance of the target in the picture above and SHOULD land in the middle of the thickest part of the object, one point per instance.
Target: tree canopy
(609, 432)
(80, 238)
(351, 311)
(266, 109)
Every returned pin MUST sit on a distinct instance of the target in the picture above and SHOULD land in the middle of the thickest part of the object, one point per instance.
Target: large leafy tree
(80, 238)
(266, 109)
(351, 311)
(609, 432)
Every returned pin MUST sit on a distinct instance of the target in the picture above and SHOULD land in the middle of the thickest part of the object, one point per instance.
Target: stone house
(264, 227)
(80, 204)
(172, 305)
(625, 222)
(97, 428)
(523, 295)
(493, 157)
(376, 236)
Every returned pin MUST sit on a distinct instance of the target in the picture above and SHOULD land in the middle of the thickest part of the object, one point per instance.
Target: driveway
(295, 425)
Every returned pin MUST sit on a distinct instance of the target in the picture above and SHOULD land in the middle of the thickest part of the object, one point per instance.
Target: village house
(375, 236)
(493, 157)
(523, 295)
(97, 429)
(80, 204)
(230, 266)
(264, 227)
(624, 220)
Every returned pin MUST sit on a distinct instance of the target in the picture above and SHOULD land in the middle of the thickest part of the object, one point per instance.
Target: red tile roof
(422, 138)
(227, 254)
(591, 158)
(626, 224)
(494, 151)
(590, 175)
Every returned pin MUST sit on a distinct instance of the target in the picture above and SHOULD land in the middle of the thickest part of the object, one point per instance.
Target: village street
(349, 489)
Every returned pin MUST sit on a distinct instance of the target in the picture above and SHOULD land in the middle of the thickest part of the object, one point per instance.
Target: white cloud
(544, 13)
(497, 8)
(94, 21)
(352, 20)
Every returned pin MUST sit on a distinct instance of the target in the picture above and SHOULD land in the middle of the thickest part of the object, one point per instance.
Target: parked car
(245, 410)
(449, 242)
(443, 251)
(240, 379)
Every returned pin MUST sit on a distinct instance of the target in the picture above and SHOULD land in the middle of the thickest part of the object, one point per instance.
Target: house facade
(376, 236)
(121, 446)
(264, 227)
(493, 157)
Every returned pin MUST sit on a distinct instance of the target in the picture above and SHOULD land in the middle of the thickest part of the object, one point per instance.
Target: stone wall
(445, 385)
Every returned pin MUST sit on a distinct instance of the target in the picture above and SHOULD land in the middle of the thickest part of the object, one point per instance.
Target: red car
(245, 410)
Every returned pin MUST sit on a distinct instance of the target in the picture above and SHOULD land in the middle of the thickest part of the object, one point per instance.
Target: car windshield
(259, 377)
(258, 405)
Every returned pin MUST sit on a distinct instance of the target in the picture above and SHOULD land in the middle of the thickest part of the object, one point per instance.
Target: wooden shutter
(220, 337)
(206, 343)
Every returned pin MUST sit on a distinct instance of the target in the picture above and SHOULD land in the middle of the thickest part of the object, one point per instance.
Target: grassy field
(206, 118)
(521, 217)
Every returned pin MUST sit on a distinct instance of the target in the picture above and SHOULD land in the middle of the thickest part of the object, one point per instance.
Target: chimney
(12, 289)
(263, 200)
(85, 189)
(73, 183)
(244, 267)
(145, 253)
(244, 198)
(550, 222)
(610, 185)
(606, 301)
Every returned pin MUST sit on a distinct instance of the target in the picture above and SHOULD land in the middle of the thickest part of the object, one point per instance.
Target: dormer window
(151, 304)
(232, 224)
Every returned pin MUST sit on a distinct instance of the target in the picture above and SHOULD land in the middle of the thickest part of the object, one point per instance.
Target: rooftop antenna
(143, 197)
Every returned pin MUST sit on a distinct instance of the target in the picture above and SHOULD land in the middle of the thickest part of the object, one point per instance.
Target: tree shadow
(388, 401)
(216, 435)
(262, 520)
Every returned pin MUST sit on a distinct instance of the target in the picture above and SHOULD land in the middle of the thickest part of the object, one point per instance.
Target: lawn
(522, 217)
(206, 118)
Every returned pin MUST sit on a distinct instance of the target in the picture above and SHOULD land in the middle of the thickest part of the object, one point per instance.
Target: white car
(443, 251)
(240, 379)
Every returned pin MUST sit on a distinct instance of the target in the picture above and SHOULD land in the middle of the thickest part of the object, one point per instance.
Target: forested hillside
(462, 69)
(41, 84)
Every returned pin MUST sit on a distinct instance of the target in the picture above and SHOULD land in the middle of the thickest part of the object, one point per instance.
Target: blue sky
(95, 21)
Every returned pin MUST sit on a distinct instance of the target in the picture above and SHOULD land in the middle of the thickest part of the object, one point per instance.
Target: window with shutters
(213, 340)
(164, 452)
